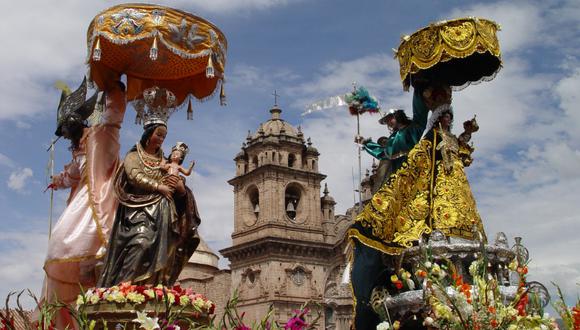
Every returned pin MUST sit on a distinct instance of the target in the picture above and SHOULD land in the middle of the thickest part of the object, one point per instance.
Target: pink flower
(242, 327)
(295, 323)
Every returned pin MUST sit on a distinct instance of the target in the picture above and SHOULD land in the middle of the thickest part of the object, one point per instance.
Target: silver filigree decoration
(181, 34)
(538, 290)
(158, 15)
(127, 21)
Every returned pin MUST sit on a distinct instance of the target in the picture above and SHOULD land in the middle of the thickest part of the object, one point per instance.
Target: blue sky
(526, 175)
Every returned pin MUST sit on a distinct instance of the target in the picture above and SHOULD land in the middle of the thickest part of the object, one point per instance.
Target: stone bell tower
(280, 253)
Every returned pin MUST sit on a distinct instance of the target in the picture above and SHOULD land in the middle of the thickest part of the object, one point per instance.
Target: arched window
(252, 206)
(291, 160)
(292, 204)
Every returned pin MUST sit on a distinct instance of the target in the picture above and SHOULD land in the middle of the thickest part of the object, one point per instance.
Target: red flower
(576, 315)
(493, 323)
(521, 306)
(399, 285)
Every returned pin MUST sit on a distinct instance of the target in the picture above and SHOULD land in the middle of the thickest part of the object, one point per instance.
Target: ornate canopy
(457, 52)
(156, 46)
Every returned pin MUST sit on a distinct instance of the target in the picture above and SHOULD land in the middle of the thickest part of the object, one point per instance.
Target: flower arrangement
(453, 303)
(140, 294)
(570, 315)
(233, 320)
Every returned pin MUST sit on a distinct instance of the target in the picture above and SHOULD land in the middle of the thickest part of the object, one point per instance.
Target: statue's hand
(171, 180)
(165, 190)
(359, 139)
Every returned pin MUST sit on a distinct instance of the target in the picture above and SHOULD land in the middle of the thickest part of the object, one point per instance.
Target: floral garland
(454, 304)
(140, 294)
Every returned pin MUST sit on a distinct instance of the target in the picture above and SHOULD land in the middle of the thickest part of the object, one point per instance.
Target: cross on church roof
(275, 98)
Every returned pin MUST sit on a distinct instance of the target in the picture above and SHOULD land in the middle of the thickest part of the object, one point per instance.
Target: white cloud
(521, 22)
(566, 90)
(6, 161)
(22, 263)
(377, 72)
(215, 201)
(22, 124)
(19, 178)
(54, 47)
(228, 7)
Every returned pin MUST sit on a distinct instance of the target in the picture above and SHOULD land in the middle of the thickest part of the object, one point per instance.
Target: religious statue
(405, 133)
(370, 266)
(79, 239)
(178, 153)
(155, 228)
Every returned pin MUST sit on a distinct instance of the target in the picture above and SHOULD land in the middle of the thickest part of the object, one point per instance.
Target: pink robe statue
(79, 238)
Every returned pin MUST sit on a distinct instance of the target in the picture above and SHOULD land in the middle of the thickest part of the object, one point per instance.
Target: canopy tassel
(189, 111)
(153, 52)
(97, 50)
(223, 101)
(209, 70)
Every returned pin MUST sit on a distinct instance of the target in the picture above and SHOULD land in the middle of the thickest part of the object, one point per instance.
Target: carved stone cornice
(278, 248)
(267, 168)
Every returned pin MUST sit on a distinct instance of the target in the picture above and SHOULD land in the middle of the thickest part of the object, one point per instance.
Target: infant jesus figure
(173, 164)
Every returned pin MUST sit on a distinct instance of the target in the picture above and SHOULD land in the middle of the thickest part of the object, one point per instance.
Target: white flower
(428, 321)
(146, 322)
(428, 264)
(383, 326)
(94, 299)
(411, 284)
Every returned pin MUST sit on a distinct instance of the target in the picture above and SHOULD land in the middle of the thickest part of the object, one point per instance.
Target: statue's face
(70, 127)
(445, 120)
(175, 156)
(392, 122)
(157, 138)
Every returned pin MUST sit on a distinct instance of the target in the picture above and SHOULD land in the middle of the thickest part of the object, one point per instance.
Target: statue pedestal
(461, 253)
(128, 306)
(122, 315)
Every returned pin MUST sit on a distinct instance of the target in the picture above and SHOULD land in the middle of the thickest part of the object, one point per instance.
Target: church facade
(288, 246)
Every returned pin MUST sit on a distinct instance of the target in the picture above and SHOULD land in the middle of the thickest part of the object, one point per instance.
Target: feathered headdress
(73, 104)
(360, 101)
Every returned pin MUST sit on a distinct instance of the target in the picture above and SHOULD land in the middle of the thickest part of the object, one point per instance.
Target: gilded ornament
(406, 207)
(472, 41)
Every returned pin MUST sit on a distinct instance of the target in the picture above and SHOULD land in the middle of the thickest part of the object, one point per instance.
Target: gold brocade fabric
(446, 40)
(184, 43)
(405, 207)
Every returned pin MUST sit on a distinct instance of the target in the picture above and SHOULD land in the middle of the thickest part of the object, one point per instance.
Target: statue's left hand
(171, 180)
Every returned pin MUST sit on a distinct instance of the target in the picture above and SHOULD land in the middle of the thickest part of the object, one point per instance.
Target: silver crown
(181, 147)
(156, 106)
